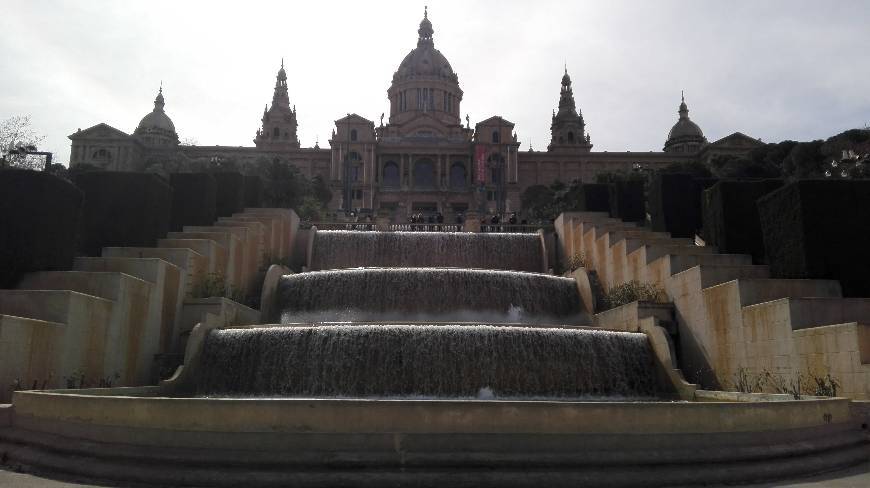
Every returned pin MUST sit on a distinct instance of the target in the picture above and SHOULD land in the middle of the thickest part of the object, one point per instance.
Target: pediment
(100, 131)
(354, 119)
(496, 120)
(425, 126)
(737, 139)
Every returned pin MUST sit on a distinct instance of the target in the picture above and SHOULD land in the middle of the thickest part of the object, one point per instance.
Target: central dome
(425, 60)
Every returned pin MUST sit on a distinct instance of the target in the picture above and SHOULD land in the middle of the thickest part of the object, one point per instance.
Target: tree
(15, 132)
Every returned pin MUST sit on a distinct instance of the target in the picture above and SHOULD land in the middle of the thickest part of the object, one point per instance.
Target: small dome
(157, 122)
(685, 128)
(684, 133)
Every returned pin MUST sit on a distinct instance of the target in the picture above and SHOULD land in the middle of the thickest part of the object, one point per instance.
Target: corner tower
(568, 131)
(279, 120)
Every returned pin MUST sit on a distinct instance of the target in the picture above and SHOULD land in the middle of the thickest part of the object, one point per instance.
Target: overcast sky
(772, 69)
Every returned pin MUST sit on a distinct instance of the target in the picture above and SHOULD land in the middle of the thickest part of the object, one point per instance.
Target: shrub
(633, 291)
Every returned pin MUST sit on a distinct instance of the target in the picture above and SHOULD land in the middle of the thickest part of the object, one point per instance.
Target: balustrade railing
(515, 228)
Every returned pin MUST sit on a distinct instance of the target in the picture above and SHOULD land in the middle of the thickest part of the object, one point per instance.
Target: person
(458, 218)
(513, 219)
(439, 218)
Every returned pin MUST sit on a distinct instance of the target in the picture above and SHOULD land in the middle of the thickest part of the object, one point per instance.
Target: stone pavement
(856, 477)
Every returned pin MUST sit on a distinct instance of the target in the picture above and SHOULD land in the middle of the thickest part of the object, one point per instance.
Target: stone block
(123, 209)
(230, 193)
(80, 352)
(194, 199)
(819, 229)
(675, 203)
(29, 348)
(193, 265)
(167, 293)
(627, 201)
(132, 334)
(215, 256)
(41, 214)
(235, 253)
(730, 216)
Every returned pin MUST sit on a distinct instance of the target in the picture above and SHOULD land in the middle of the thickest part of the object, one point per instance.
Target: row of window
(426, 100)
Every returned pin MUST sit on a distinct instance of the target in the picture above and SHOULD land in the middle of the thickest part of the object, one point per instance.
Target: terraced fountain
(432, 360)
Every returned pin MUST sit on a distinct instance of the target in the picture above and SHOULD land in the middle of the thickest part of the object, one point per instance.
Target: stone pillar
(472, 222)
(382, 223)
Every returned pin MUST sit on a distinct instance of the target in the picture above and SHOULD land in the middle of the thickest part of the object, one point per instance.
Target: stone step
(754, 291)
(215, 254)
(633, 244)
(80, 348)
(271, 236)
(218, 311)
(681, 262)
(809, 312)
(27, 350)
(249, 253)
(655, 251)
(706, 276)
(167, 295)
(193, 265)
(289, 227)
(133, 333)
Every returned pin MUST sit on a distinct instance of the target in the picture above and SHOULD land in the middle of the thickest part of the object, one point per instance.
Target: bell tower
(567, 129)
(279, 121)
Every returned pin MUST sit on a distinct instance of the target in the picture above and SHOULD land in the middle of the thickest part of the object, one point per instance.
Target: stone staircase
(104, 322)
(730, 315)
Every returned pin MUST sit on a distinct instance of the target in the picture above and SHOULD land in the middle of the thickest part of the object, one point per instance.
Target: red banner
(480, 159)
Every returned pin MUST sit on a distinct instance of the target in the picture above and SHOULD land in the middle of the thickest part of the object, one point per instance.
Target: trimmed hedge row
(730, 216)
(675, 203)
(253, 191)
(627, 200)
(819, 229)
(40, 216)
(123, 209)
(595, 197)
(194, 199)
(230, 193)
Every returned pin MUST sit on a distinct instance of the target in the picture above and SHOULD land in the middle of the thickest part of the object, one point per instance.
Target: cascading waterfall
(429, 294)
(338, 249)
(428, 361)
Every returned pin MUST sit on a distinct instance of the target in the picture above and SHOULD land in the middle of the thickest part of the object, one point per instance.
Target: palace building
(423, 158)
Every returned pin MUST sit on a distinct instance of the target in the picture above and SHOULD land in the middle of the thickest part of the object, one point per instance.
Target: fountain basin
(131, 435)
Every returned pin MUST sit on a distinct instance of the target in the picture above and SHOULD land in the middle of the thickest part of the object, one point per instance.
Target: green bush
(633, 291)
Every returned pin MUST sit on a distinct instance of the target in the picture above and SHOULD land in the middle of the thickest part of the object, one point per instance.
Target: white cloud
(773, 70)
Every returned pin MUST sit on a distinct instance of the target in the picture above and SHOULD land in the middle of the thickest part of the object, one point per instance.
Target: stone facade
(423, 158)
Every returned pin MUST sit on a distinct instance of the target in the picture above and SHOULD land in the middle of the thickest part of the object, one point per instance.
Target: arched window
(353, 134)
(496, 164)
(102, 155)
(495, 137)
(570, 137)
(391, 175)
(458, 176)
(276, 132)
(424, 174)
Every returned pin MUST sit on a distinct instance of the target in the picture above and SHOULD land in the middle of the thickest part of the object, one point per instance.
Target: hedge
(627, 200)
(194, 199)
(730, 216)
(819, 229)
(123, 209)
(41, 213)
(675, 203)
(230, 193)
